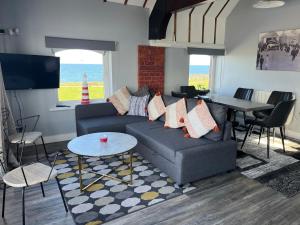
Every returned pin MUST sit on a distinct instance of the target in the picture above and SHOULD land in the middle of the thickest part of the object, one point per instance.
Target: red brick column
(151, 67)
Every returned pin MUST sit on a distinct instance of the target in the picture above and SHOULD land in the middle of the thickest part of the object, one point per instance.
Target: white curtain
(7, 124)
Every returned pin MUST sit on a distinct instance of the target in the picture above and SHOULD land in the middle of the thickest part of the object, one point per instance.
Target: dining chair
(192, 92)
(21, 136)
(276, 119)
(275, 98)
(28, 175)
(243, 94)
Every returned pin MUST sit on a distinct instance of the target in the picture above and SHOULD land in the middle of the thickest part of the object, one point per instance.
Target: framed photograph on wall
(279, 50)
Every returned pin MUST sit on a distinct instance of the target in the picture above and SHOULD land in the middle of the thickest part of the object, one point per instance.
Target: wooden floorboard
(225, 199)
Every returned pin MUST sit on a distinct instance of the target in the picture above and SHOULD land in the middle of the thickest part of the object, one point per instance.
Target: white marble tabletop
(90, 145)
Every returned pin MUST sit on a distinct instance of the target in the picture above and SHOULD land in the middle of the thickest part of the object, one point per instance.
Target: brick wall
(151, 67)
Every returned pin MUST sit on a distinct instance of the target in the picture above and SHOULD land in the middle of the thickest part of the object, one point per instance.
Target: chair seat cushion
(262, 114)
(29, 137)
(163, 141)
(107, 123)
(34, 173)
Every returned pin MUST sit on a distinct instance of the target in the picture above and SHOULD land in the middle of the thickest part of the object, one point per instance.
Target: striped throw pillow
(175, 114)
(199, 121)
(156, 107)
(138, 106)
(120, 100)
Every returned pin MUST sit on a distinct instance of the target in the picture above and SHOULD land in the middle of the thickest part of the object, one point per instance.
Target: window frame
(211, 73)
(107, 77)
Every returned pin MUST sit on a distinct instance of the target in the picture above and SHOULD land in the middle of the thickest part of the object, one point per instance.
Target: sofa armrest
(94, 110)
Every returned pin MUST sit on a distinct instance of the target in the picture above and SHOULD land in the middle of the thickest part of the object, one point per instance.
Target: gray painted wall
(242, 30)
(90, 19)
(176, 69)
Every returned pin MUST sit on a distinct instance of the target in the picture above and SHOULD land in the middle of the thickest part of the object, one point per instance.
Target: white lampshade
(267, 4)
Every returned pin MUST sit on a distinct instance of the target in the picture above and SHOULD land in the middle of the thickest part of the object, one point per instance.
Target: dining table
(239, 104)
(234, 104)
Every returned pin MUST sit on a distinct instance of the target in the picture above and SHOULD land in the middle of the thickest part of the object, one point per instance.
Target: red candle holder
(103, 139)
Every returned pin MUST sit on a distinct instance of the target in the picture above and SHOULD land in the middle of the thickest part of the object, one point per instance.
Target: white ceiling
(207, 24)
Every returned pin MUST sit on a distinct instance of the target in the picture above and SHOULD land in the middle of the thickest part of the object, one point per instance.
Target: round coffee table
(89, 145)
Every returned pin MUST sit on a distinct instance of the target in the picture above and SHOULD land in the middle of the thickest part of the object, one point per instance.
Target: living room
(237, 182)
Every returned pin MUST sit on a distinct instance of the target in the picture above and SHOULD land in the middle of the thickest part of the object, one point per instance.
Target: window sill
(71, 105)
(55, 109)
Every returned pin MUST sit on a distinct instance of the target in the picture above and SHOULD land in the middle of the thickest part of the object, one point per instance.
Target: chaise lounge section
(183, 159)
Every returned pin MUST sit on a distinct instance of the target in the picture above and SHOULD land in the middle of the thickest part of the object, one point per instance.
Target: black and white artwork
(279, 50)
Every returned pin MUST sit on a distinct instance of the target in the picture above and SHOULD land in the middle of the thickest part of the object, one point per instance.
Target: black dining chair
(276, 119)
(192, 92)
(275, 98)
(243, 94)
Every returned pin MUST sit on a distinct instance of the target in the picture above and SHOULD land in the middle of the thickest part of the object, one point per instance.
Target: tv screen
(29, 71)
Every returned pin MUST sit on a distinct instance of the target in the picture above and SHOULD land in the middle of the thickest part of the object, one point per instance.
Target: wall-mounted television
(29, 71)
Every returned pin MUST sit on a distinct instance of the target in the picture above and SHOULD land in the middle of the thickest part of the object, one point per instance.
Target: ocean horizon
(74, 72)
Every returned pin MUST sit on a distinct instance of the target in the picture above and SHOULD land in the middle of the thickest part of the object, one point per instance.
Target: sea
(74, 72)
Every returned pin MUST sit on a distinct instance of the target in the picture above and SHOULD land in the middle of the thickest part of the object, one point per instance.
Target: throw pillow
(138, 106)
(175, 114)
(199, 121)
(120, 100)
(156, 107)
(141, 92)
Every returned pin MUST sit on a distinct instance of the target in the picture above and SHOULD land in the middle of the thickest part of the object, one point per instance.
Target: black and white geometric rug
(252, 160)
(285, 180)
(109, 199)
(281, 172)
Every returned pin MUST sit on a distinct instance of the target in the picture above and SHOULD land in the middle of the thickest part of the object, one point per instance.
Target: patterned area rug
(285, 180)
(252, 160)
(109, 199)
(281, 172)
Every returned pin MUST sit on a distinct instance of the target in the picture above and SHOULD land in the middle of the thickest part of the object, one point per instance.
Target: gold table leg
(131, 170)
(82, 188)
(80, 174)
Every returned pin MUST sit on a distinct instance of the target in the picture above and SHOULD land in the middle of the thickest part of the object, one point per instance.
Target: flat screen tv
(29, 71)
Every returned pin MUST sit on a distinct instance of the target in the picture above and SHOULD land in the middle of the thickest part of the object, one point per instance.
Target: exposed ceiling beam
(190, 23)
(203, 20)
(176, 5)
(162, 12)
(216, 20)
(145, 3)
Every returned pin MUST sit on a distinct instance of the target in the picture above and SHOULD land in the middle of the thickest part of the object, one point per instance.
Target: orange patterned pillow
(156, 107)
(175, 114)
(120, 100)
(199, 121)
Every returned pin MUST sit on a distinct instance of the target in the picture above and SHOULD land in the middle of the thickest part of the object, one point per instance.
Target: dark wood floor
(226, 199)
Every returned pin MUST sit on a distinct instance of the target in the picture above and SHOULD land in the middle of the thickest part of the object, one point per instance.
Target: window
(199, 71)
(73, 65)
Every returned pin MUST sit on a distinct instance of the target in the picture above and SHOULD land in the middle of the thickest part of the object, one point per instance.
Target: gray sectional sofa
(184, 160)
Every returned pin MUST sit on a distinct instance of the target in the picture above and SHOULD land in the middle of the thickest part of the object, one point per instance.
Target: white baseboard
(58, 138)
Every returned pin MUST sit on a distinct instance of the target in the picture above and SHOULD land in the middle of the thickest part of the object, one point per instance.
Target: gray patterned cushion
(138, 105)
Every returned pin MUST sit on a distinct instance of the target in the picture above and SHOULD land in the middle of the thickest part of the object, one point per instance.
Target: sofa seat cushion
(107, 123)
(163, 141)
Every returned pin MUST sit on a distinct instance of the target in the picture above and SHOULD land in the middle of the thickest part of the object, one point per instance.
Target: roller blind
(71, 43)
(206, 51)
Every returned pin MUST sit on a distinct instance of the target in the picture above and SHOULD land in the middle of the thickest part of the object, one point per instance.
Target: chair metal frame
(20, 127)
(26, 182)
